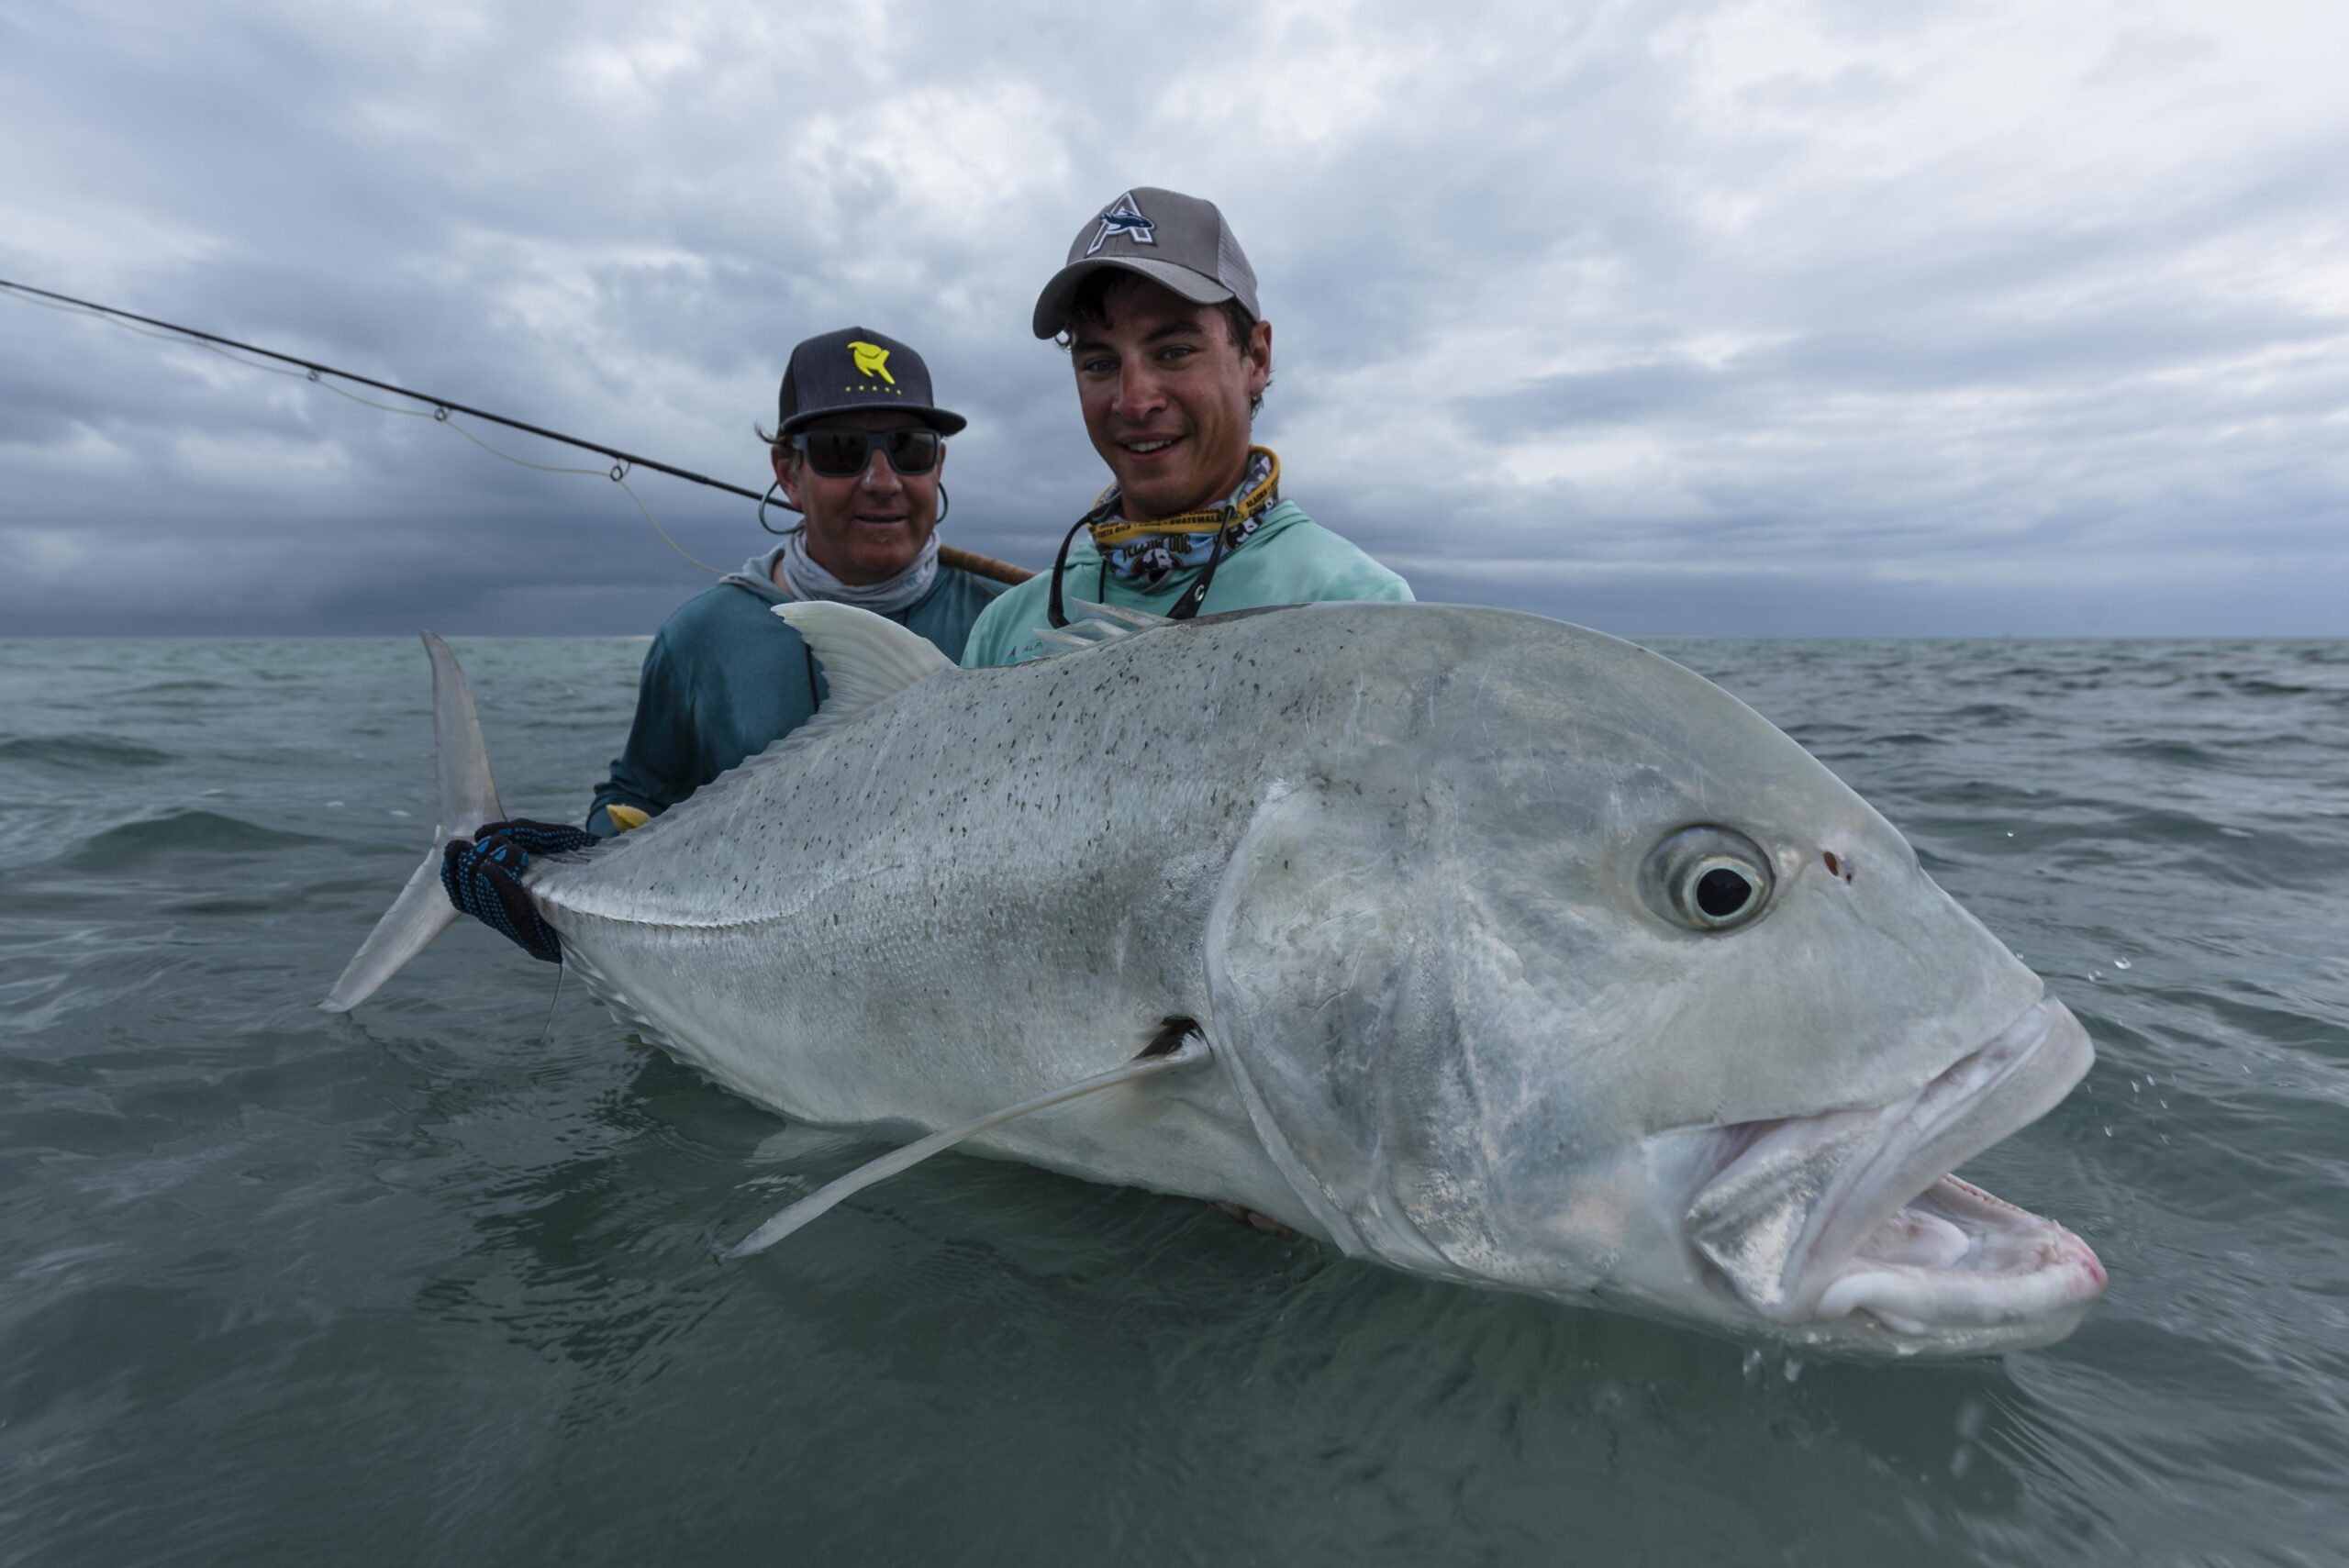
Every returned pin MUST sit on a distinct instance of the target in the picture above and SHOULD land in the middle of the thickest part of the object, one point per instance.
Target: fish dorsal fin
(867, 658)
(1173, 1049)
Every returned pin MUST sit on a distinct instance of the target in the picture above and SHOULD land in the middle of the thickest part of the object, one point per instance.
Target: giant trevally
(1523, 957)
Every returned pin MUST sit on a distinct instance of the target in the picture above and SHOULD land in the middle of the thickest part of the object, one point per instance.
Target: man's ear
(786, 473)
(1260, 358)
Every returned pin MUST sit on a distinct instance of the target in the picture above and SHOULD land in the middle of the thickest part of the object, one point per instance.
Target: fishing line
(546, 1030)
(441, 409)
(617, 473)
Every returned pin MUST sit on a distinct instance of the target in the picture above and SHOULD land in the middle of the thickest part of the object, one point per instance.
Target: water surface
(434, 1283)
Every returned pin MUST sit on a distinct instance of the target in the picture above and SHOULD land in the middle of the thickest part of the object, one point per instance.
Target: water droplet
(334, 803)
(2134, 1088)
(2010, 835)
(1753, 1365)
(2119, 963)
(1794, 1368)
(2108, 1132)
(2095, 975)
(397, 812)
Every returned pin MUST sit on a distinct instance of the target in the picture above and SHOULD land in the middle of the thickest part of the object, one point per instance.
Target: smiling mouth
(1151, 448)
(1853, 1217)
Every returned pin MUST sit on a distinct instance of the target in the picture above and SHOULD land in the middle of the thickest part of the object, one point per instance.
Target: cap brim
(938, 419)
(1052, 306)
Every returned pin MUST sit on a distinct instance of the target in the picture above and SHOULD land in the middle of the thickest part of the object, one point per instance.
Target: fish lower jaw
(1955, 1258)
(1847, 1229)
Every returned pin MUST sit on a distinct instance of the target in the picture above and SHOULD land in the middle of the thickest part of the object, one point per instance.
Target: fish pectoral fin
(1078, 634)
(1132, 620)
(867, 658)
(1186, 1050)
(1102, 623)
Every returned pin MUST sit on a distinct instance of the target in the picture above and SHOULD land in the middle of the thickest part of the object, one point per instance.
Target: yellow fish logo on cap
(872, 359)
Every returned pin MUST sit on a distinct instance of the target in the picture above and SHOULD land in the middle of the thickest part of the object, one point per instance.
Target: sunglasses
(844, 455)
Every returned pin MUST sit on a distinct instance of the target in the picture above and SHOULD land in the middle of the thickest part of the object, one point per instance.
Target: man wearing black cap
(857, 454)
(1157, 307)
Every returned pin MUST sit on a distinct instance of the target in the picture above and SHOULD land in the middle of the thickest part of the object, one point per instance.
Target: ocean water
(434, 1283)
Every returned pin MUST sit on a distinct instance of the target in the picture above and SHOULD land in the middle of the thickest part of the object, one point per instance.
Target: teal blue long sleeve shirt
(726, 678)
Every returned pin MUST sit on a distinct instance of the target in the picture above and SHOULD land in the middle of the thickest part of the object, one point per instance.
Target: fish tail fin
(468, 799)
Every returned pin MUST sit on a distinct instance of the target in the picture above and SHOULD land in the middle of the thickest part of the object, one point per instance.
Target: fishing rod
(967, 560)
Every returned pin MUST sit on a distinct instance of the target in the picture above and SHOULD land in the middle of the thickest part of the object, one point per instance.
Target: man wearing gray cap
(857, 454)
(1157, 307)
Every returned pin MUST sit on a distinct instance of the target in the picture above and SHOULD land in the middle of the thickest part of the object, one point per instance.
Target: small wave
(2259, 687)
(1989, 713)
(2175, 753)
(80, 752)
(2203, 851)
(2062, 678)
(176, 688)
(1985, 793)
(177, 833)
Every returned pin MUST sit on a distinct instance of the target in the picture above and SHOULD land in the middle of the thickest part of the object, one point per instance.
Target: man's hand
(482, 876)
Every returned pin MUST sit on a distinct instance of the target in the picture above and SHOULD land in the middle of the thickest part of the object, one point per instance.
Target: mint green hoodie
(1290, 560)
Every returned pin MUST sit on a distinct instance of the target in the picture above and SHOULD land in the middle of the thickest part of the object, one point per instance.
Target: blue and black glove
(482, 876)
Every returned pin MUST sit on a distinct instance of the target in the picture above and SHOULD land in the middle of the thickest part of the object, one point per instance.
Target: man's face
(864, 527)
(1165, 395)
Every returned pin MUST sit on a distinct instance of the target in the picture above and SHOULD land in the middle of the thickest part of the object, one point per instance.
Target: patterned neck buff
(1150, 553)
(799, 576)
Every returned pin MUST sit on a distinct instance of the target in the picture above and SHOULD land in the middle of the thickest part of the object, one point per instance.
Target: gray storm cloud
(1736, 318)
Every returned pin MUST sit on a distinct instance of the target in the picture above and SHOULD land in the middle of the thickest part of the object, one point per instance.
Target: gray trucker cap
(1174, 240)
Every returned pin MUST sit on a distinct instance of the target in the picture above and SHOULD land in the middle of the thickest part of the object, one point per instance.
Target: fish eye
(1707, 878)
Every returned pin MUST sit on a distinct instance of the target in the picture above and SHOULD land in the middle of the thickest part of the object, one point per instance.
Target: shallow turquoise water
(434, 1283)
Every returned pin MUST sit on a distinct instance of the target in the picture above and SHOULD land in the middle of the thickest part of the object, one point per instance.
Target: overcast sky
(1851, 318)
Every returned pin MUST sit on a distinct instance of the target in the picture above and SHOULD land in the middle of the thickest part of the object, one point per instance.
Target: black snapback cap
(854, 371)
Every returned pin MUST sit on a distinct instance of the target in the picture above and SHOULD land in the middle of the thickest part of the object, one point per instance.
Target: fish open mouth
(1852, 1218)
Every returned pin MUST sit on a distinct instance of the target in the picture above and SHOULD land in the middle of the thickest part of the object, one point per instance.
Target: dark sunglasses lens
(836, 452)
(913, 451)
(841, 454)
